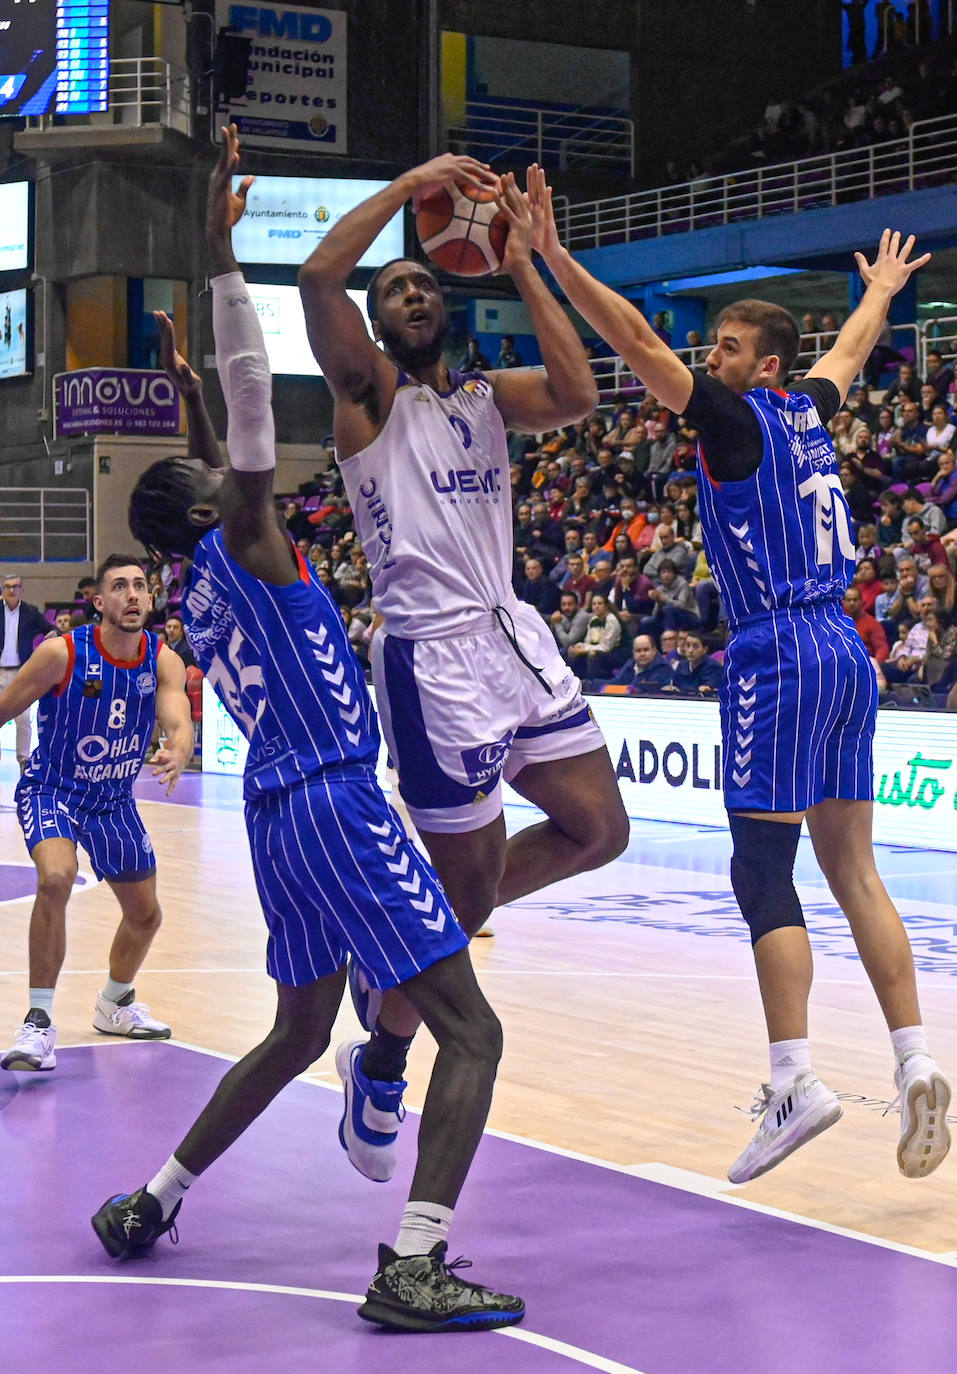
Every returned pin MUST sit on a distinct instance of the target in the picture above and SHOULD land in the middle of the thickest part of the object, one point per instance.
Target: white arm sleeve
(243, 375)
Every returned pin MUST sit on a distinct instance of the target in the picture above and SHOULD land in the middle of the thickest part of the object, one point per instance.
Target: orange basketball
(462, 230)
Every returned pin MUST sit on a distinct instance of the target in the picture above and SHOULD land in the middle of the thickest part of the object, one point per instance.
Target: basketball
(462, 230)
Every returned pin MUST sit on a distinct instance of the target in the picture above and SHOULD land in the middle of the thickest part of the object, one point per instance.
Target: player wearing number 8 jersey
(99, 691)
(799, 701)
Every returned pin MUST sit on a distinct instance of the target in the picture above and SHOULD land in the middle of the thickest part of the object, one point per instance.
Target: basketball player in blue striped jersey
(799, 701)
(334, 870)
(469, 682)
(100, 690)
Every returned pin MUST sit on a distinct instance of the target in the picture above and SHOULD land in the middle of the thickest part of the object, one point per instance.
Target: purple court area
(630, 1275)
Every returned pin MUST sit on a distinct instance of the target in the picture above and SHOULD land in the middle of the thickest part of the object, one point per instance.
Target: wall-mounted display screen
(13, 333)
(284, 328)
(14, 225)
(54, 57)
(287, 216)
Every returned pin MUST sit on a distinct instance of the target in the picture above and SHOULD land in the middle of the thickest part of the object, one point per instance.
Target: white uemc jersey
(431, 500)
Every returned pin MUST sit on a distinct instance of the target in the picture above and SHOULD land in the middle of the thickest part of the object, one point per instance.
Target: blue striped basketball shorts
(119, 848)
(336, 873)
(460, 714)
(798, 712)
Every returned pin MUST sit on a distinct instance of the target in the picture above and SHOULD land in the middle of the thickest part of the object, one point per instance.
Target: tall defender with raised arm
(326, 846)
(799, 699)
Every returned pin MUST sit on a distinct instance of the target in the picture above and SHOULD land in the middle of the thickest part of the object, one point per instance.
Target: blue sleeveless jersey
(780, 539)
(280, 661)
(94, 728)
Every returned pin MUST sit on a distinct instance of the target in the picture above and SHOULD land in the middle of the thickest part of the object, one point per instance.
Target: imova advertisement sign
(114, 400)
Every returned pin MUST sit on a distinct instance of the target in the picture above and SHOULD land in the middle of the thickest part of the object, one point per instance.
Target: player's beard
(120, 623)
(415, 357)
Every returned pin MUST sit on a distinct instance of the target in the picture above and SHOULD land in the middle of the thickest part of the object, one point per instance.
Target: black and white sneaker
(421, 1293)
(130, 1223)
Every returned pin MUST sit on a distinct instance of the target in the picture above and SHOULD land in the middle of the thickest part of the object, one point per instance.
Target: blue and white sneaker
(366, 999)
(372, 1116)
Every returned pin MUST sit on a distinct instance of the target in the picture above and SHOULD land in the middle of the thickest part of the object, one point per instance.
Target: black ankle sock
(384, 1056)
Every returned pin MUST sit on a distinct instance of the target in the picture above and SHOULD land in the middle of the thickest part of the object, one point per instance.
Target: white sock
(788, 1059)
(42, 999)
(423, 1225)
(170, 1185)
(909, 1040)
(113, 991)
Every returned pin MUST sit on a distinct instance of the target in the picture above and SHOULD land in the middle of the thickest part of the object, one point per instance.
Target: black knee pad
(762, 873)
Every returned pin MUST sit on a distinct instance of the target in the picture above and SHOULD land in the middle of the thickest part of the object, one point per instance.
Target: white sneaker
(372, 1116)
(128, 1018)
(924, 1096)
(791, 1117)
(32, 1050)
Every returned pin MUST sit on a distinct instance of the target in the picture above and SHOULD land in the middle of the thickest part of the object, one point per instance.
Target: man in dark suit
(21, 625)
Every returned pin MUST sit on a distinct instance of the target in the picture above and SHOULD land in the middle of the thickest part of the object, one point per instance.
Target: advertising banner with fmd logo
(297, 76)
(114, 400)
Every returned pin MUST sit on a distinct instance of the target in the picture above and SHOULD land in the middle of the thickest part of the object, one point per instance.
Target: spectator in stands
(594, 657)
(867, 463)
(890, 523)
(569, 622)
(940, 375)
(646, 670)
(622, 548)
(942, 585)
(940, 431)
(659, 326)
(579, 580)
(809, 333)
(858, 493)
(860, 405)
(924, 547)
(671, 549)
(866, 626)
(882, 355)
(867, 546)
(675, 604)
(547, 531)
(352, 576)
(687, 525)
(473, 358)
(83, 596)
(943, 489)
(912, 586)
(669, 646)
(941, 648)
(829, 330)
(906, 387)
(62, 623)
(909, 445)
(907, 655)
(915, 507)
(843, 431)
(887, 597)
(573, 545)
(603, 576)
(630, 593)
(661, 456)
(883, 437)
(177, 641)
(159, 594)
(867, 582)
(509, 355)
(536, 590)
(698, 674)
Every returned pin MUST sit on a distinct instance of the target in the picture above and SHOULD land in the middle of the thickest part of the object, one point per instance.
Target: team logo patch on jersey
(477, 386)
(93, 687)
(484, 762)
(145, 684)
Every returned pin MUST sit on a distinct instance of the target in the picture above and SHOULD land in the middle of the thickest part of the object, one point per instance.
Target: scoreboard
(54, 56)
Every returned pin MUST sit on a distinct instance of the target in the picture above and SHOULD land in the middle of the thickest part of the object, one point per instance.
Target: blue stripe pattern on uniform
(280, 660)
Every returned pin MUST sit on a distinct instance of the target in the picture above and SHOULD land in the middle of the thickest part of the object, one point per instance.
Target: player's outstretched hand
(224, 206)
(449, 168)
(539, 194)
(177, 369)
(516, 207)
(892, 265)
(167, 765)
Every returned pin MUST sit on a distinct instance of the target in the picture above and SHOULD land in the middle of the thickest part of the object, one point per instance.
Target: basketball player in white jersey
(469, 682)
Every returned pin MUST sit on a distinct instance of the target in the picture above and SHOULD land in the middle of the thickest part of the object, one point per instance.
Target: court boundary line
(948, 1259)
(589, 1358)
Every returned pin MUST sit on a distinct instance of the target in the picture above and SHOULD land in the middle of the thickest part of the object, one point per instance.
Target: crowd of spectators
(873, 102)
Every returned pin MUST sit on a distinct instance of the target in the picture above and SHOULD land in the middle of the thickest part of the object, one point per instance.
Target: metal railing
(926, 157)
(912, 342)
(554, 138)
(45, 524)
(141, 91)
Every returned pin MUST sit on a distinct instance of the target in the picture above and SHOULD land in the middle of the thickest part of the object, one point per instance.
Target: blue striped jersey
(782, 537)
(280, 661)
(94, 727)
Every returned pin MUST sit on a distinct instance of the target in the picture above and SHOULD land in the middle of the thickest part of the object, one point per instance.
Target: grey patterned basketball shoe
(421, 1293)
